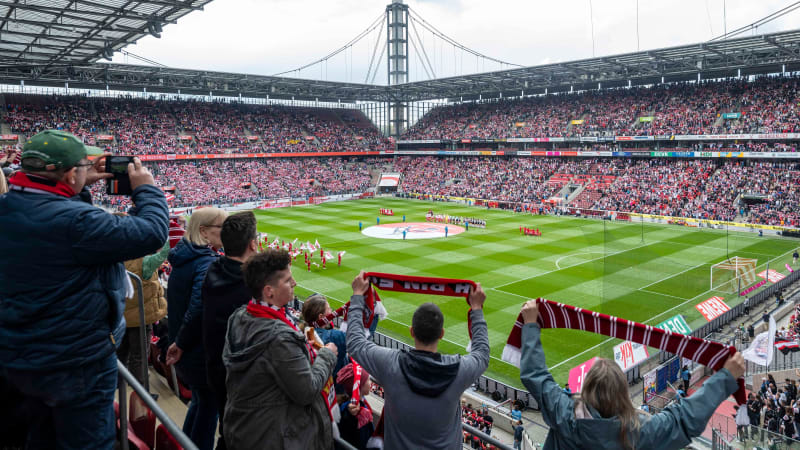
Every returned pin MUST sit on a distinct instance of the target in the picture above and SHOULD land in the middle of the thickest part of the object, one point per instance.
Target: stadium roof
(769, 53)
(53, 42)
(46, 32)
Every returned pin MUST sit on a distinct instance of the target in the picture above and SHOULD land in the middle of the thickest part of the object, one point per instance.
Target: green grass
(641, 272)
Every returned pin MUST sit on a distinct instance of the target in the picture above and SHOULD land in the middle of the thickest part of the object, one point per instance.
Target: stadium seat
(142, 420)
(165, 441)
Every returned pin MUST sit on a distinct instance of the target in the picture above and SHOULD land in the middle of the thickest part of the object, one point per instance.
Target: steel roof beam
(80, 14)
(786, 51)
(713, 50)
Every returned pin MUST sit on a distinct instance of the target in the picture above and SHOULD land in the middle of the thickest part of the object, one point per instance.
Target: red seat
(165, 441)
(142, 420)
(133, 440)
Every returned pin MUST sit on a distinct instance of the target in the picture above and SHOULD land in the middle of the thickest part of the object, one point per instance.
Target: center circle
(414, 230)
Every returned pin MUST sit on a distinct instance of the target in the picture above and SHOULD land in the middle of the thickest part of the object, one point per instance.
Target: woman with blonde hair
(602, 416)
(190, 260)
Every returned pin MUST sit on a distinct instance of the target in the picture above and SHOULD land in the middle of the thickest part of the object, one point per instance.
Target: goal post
(733, 273)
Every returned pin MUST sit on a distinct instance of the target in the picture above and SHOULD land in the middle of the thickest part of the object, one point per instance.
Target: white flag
(763, 346)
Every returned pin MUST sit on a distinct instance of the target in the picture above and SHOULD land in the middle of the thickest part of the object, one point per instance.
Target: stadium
(657, 188)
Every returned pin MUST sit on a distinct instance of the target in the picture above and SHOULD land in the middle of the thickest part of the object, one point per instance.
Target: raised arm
(477, 360)
(371, 356)
(556, 406)
(678, 424)
(102, 238)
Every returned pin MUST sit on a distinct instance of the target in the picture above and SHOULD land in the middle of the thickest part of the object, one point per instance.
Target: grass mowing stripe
(500, 256)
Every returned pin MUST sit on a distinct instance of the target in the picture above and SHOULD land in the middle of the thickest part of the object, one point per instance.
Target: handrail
(341, 444)
(174, 430)
(485, 437)
(142, 329)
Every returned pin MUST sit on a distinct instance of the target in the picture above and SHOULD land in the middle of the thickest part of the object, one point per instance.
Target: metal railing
(341, 444)
(485, 437)
(718, 442)
(725, 426)
(125, 379)
(142, 329)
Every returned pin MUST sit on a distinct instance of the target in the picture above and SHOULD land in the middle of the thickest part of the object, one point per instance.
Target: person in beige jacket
(155, 309)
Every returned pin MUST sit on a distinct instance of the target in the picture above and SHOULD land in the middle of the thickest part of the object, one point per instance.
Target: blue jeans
(200, 423)
(201, 418)
(73, 408)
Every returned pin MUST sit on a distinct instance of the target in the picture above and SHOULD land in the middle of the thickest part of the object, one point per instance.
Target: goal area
(733, 274)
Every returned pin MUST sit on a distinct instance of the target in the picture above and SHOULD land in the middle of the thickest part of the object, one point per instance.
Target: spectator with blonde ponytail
(602, 416)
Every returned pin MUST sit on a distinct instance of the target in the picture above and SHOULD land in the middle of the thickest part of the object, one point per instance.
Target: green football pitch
(638, 271)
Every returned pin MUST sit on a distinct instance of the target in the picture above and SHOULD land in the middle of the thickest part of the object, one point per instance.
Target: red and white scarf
(449, 287)
(559, 315)
(25, 182)
(365, 413)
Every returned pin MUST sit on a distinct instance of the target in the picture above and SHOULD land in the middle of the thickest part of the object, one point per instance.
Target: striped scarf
(449, 287)
(558, 315)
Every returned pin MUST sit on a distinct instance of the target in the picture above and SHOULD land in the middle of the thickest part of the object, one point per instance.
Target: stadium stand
(180, 127)
(766, 105)
(223, 181)
(164, 126)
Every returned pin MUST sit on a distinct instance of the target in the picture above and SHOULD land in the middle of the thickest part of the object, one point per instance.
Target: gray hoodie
(422, 389)
(572, 428)
(274, 392)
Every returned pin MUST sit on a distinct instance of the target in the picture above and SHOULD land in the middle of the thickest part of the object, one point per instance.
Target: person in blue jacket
(190, 260)
(602, 415)
(63, 287)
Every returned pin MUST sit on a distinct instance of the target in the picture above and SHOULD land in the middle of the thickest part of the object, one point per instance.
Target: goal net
(733, 273)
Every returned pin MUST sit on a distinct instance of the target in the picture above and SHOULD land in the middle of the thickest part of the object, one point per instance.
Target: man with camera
(63, 286)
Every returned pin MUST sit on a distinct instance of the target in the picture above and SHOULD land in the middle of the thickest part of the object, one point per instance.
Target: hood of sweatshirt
(248, 337)
(428, 374)
(185, 253)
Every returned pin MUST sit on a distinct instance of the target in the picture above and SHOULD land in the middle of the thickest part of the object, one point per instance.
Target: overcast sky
(270, 36)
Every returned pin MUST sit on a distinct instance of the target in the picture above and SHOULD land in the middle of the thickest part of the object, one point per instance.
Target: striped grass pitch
(641, 272)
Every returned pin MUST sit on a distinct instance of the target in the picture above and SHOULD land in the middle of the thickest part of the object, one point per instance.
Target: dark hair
(313, 306)
(260, 269)
(237, 232)
(427, 323)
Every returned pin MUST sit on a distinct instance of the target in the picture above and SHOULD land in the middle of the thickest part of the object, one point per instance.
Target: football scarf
(22, 181)
(558, 315)
(449, 287)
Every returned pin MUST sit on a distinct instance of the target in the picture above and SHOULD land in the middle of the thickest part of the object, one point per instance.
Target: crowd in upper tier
(765, 105)
(151, 127)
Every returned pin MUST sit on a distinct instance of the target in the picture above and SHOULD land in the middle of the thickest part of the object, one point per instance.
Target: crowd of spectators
(165, 126)
(207, 182)
(765, 105)
(236, 338)
(703, 189)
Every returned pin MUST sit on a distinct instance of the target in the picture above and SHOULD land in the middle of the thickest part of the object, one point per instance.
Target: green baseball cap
(55, 149)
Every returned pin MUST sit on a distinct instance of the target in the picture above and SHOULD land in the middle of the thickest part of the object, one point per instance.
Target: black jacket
(223, 292)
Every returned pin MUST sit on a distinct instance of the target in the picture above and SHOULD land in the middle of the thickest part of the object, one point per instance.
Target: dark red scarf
(558, 315)
(29, 181)
(449, 287)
